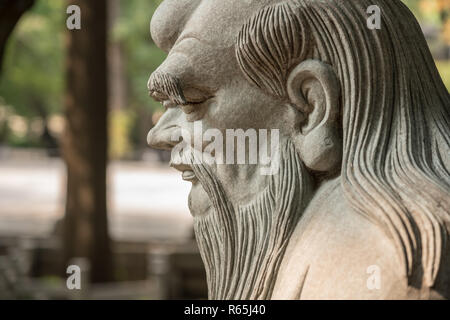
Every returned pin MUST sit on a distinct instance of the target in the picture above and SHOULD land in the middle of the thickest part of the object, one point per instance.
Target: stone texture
(359, 208)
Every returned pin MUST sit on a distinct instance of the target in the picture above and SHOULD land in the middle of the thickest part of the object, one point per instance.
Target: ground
(146, 201)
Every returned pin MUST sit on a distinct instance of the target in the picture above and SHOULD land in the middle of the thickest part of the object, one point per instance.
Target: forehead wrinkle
(217, 22)
(194, 63)
(184, 36)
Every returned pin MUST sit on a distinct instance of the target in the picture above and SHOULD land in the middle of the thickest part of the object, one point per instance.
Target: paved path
(145, 201)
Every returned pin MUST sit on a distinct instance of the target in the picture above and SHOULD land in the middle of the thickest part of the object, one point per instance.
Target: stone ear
(313, 88)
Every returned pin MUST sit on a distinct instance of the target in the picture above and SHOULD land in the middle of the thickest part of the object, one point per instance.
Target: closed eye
(196, 96)
(192, 106)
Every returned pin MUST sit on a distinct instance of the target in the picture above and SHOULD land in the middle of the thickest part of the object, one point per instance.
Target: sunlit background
(150, 228)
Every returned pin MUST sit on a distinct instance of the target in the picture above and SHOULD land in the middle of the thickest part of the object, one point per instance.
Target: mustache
(163, 85)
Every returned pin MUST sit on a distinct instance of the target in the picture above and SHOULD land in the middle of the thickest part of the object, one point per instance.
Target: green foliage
(34, 76)
(413, 5)
(120, 128)
(32, 80)
(444, 70)
(32, 83)
(142, 55)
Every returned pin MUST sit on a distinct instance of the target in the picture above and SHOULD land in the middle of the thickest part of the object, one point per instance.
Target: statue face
(201, 84)
(201, 57)
(301, 67)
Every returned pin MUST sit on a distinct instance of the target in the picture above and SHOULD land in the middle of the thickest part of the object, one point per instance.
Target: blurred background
(78, 186)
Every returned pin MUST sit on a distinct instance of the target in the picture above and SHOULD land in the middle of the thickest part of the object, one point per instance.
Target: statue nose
(167, 132)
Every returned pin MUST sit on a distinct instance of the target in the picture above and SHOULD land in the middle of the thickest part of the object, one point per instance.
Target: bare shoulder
(335, 253)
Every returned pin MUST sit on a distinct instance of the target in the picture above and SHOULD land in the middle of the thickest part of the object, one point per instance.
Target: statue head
(363, 108)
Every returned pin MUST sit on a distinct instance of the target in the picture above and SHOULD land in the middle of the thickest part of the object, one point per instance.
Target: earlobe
(313, 89)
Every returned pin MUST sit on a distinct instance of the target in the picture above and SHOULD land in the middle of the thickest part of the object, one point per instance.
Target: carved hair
(166, 85)
(227, 239)
(395, 113)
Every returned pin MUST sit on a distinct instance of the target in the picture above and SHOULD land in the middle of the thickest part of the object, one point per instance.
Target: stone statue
(359, 207)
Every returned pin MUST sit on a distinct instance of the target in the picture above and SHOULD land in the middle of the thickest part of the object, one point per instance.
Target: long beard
(242, 248)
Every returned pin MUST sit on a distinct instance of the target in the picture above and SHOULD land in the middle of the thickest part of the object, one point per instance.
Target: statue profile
(360, 205)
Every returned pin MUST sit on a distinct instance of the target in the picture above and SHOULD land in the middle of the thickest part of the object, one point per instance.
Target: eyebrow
(161, 85)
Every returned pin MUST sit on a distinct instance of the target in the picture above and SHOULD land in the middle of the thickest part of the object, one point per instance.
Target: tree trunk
(10, 13)
(85, 141)
(117, 84)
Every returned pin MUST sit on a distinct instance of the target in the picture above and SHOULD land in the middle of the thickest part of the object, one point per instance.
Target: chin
(198, 200)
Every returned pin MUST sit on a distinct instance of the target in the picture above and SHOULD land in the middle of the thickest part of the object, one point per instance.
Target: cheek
(241, 107)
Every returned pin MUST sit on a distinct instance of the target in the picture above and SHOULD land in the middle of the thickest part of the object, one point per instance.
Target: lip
(181, 167)
(187, 172)
(189, 175)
